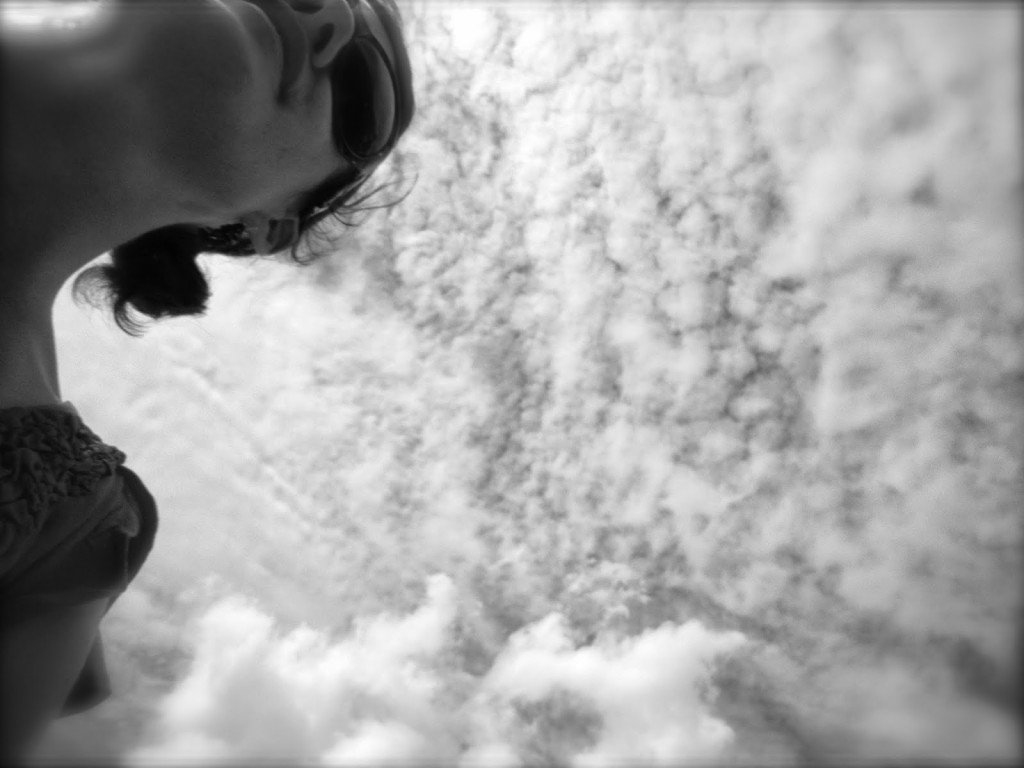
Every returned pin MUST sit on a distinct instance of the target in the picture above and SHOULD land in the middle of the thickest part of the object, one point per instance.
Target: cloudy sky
(673, 417)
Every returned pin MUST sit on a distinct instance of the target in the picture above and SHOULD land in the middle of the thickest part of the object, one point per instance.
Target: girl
(159, 131)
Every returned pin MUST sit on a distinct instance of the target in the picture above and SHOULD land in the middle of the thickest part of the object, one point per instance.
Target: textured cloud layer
(399, 689)
(695, 313)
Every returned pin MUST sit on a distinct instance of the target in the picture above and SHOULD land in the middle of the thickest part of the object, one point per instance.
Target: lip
(294, 45)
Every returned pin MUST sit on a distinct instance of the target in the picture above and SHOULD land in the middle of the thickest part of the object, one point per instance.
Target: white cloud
(395, 689)
(646, 692)
(729, 302)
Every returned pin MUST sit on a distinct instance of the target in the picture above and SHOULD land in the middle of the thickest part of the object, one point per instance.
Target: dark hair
(156, 274)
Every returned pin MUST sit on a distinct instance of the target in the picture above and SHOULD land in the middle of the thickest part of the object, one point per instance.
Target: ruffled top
(76, 525)
(46, 454)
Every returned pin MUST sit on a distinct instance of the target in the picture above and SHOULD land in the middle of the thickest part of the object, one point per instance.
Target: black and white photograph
(500, 383)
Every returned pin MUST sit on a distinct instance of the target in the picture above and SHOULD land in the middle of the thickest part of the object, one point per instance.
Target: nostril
(323, 37)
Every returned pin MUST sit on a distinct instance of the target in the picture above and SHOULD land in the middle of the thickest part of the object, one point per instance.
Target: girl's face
(231, 97)
(238, 96)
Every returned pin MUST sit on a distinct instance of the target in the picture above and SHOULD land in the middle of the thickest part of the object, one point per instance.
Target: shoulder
(141, 543)
(49, 458)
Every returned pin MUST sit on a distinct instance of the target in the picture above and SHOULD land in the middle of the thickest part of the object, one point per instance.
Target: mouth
(294, 45)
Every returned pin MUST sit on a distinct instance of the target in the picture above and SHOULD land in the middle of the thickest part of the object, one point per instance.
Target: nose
(328, 25)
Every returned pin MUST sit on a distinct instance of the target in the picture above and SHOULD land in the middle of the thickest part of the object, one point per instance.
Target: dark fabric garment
(76, 525)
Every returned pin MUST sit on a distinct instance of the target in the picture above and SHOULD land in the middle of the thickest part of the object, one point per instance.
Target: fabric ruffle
(46, 454)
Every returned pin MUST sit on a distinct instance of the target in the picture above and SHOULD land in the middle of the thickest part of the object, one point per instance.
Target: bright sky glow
(47, 13)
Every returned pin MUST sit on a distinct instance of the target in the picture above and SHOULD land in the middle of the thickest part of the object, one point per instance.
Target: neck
(77, 179)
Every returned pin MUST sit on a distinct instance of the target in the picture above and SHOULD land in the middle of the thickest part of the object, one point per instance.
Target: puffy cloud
(638, 698)
(396, 688)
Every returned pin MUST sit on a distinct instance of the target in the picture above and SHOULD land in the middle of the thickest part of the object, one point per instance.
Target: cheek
(299, 152)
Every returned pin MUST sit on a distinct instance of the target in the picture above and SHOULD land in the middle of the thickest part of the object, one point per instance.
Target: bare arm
(40, 659)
